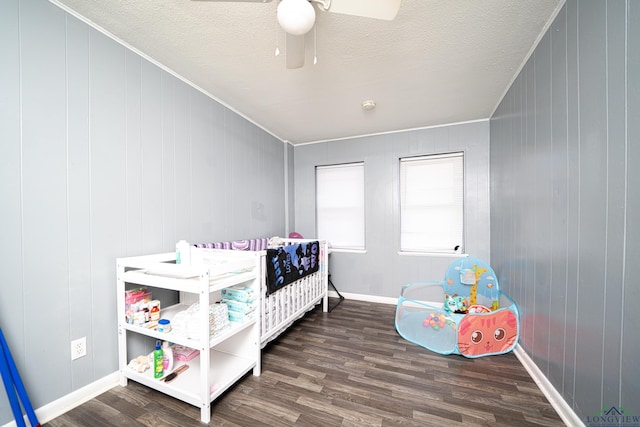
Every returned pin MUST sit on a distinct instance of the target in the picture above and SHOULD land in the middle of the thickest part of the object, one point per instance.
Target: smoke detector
(368, 104)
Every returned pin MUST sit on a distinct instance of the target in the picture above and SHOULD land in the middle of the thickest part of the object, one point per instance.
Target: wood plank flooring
(344, 368)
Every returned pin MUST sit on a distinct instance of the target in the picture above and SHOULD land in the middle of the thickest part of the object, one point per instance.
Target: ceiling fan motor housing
(296, 17)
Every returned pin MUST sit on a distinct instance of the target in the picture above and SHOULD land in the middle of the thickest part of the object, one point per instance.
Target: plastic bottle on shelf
(154, 312)
(167, 352)
(158, 361)
(183, 252)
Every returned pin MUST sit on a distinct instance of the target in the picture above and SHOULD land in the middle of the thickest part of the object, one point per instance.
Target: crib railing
(280, 309)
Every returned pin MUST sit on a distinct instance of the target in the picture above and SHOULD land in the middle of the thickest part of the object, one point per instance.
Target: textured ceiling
(437, 62)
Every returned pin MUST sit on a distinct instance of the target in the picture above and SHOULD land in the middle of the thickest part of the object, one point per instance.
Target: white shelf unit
(225, 357)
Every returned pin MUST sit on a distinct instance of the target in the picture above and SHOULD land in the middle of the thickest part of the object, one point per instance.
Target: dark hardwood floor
(344, 368)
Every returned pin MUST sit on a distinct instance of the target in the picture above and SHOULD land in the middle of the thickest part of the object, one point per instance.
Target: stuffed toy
(455, 303)
(139, 364)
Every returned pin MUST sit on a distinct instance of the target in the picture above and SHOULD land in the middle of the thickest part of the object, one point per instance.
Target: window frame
(360, 244)
(407, 248)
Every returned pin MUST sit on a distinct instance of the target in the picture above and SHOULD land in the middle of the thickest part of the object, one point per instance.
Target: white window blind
(431, 203)
(340, 205)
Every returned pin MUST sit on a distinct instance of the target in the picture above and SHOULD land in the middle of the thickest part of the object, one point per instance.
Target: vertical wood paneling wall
(381, 271)
(104, 154)
(565, 204)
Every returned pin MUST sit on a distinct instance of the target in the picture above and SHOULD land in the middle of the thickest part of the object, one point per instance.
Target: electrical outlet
(78, 348)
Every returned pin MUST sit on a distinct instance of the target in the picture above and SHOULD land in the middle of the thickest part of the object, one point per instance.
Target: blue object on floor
(14, 387)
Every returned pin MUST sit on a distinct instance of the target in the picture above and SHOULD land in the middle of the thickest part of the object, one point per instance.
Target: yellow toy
(473, 292)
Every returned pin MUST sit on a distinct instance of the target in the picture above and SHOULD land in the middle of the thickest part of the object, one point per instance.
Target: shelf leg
(205, 413)
(122, 332)
(205, 355)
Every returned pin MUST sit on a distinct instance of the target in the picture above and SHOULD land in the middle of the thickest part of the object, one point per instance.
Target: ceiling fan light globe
(296, 17)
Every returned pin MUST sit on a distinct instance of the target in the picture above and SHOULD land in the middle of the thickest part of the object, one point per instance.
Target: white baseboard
(76, 398)
(368, 298)
(555, 398)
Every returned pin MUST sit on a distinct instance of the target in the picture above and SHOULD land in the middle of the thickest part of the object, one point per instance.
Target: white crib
(280, 309)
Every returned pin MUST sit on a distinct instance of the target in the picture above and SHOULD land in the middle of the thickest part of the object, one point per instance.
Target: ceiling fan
(297, 18)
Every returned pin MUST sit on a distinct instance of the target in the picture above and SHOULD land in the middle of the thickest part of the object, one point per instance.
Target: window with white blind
(431, 203)
(340, 205)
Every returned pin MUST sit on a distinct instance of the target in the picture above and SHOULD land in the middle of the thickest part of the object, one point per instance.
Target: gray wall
(381, 271)
(565, 205)
(290, 188)
(103, 155)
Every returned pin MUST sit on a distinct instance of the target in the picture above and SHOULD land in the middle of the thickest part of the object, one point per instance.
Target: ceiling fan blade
(377, 9)
(295, 51)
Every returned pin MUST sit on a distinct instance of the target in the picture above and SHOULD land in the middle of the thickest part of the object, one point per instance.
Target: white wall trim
(368, 298)
(76, 398)
(555, 398)
(102, 30)
(528, 56)
(392, 131)
(433, 254)
(287, 202)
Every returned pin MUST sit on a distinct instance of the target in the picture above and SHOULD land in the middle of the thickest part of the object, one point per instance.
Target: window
(431, 203)
(340, 205)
